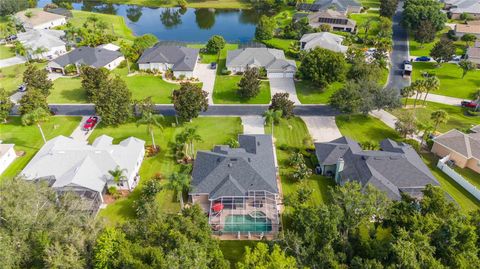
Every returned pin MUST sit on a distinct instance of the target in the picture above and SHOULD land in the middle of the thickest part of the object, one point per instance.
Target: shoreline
(216, 4)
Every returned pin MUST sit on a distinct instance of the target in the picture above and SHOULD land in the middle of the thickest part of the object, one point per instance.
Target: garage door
(280, 75)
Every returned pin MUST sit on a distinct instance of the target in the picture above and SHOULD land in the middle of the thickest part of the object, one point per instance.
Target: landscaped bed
(451, 82)
(213, 131)
(29, 139)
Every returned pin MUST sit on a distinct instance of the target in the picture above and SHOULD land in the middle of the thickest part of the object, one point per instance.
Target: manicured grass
(67, 90)
(470, 175)
(213, 130)
(417, 49)
(233, 250)
(120, 28)
(291, 133)
(457, 119)
(208, 58)
(233, 4)
(6, 52)
(361, 18)
(145, 85)
(364, 128)
(29, 139)
(11, 77)
(308, 93)
(451, 82)
(464, 199)
(370, 3)
(225, 92)
(278, 43)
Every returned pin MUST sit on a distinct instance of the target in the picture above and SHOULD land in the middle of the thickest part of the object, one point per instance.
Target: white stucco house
(181, 60)
(324, 40)
(95, 57)
(7, 156)
(43, 43)
(39, 19)
(273, 60)
(69, 165)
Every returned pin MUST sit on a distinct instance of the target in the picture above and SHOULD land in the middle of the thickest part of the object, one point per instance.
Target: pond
(188, 25)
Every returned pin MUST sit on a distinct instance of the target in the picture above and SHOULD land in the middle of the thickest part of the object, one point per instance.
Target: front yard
(213, 130)
(417, 49)
(308, 93)
(29, 140)
(225, 91)
(67, 90)
(6, 52)
(457, 118)
(11, 77)
(451, 82)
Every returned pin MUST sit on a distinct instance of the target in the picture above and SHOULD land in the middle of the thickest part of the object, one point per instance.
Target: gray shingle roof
(182, 58)
(339, 5)
(226, 171)
(272, 59)
(468, 145)
(395, 169)
(95, 57)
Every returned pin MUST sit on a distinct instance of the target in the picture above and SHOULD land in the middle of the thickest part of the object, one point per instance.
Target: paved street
(322, 128)
(207, 76)
(12, 61)
(399, 52)
(278, 85)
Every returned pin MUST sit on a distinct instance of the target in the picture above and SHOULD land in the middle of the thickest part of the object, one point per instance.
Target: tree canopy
(265, 28)
(323, 66)
(418, 11)
(113, 101)
(189, 101)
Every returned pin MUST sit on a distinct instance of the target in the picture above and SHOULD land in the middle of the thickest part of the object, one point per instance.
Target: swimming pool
(245, 223)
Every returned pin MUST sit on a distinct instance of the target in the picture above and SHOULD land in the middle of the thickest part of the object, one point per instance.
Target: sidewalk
(446, 100)
(12, 61)
(390, 120)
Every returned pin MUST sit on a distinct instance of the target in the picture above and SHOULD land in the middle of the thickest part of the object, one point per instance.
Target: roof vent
(258, 143)
(233, 159)
(364, 157)
(230, 165)
(249, 159)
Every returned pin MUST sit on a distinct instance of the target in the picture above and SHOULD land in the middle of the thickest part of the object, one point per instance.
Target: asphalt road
(213, 110)
(399, 52)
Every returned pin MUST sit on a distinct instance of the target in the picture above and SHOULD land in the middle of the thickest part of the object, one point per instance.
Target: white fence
(457, 177)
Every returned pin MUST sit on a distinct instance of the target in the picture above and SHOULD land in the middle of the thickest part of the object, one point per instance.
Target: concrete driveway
(207, 76)
(280, 85)
(15, 98)
(12, 61)
(80, 135)
(253, 124)
(322, 128)
(447, 100)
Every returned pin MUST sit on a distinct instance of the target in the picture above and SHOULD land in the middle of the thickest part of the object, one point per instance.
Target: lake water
(190, 25)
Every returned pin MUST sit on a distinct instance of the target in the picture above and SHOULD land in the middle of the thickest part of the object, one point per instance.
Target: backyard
(457, 118)
(417, 49)
(29, 140)
(451, 82)
(213, 130)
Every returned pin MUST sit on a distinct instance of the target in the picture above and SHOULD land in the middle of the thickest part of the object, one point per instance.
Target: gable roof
(324, 40)
(226, 171)
(464, 6)
(75, 164)
(43, 38)
(272, 59)
(467, 28)
(60, 11)
(395, 169)
(96, 57)
(182, 58)
(467, 145)
(38, 17)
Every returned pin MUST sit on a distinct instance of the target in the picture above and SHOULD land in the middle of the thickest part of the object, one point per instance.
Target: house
(343, 6)
(7, 156)
(472, 27)
(39, 19)
(181, 60)
(337, 21)
(60, 11)
(43, 43)
(462, 148)
(238, 187)
(273, 60)
(457, 7)
(473, 53)
(71, 165)
(396, 169)
(324, 40)
(95, 57)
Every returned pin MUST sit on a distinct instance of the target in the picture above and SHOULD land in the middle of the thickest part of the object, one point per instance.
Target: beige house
(472, 27)
(473, 53)
(39, 19)
(463, 149)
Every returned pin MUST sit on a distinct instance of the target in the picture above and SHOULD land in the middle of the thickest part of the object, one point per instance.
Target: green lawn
(417, 49)
(451, 82)
(120, 28)
(67, 90)
(457, 119)
(11, 77)
(292, 133)
(278, 43)
(233, 250)
(208, 58)
(370, 3)
(361, 18)
(308, 93)
(213, 130)
(6, 52)
(225, 92)
(361, 128)
(29, 140)
(470, 175)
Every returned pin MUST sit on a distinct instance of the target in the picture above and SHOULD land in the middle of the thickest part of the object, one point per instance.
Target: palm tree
(127, 51)
(179, 182)
(419, 87)
(152, 121)
(40, 50)
(21, 50)
(426, 128)
(118, 175)
(190, 135)
(272, 117)
(431, 84)
(406, 93)
(37, 116)
(439, 116)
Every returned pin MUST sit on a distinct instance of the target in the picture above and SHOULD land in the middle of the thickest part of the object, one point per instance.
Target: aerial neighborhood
(239, 134)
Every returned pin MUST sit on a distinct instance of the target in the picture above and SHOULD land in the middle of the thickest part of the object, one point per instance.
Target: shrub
(70, 69)
(226, 72)
(181, 77)
(123, 64)
(112, 190)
